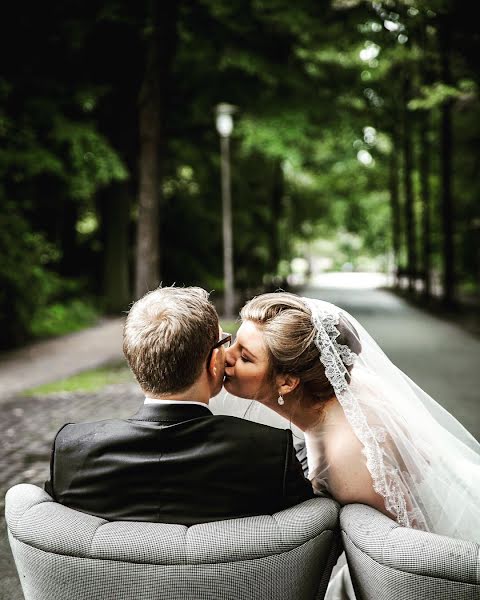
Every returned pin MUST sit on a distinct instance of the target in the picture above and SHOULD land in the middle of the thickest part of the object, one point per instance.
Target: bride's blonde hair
(289, 336)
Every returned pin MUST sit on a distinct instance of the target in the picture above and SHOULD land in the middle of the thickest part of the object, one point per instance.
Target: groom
(174, 461)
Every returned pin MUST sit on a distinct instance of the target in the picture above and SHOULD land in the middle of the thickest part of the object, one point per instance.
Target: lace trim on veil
(386, 475)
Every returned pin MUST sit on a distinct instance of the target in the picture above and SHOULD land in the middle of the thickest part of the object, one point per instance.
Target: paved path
(61, 357)
(441, 357)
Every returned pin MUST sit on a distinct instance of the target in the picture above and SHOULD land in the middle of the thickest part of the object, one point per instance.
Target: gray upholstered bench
(62, 554)
(390, 562)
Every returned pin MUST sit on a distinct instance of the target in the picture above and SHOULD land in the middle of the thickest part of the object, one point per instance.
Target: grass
(95, 379)
(86, 381)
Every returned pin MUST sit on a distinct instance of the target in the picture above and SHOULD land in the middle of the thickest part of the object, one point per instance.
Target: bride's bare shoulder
(348, 476)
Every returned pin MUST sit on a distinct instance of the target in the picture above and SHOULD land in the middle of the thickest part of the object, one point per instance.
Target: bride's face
(246, 365)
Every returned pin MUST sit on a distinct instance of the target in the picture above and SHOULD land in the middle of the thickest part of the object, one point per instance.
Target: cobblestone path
(27, 429)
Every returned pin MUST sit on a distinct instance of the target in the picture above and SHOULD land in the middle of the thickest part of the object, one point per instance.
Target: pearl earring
(280, 400)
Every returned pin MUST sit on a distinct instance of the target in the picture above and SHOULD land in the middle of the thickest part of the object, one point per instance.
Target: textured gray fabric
(335, 550)
(389, 561)
(287, 576)
(63, 554)
(55, 528)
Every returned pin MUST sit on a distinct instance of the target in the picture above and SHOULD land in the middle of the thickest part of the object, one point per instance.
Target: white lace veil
(423, 462)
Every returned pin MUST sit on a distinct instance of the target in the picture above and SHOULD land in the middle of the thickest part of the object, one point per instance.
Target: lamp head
(224, 120)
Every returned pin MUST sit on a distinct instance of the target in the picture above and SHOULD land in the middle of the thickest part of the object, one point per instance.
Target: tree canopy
(355, 138)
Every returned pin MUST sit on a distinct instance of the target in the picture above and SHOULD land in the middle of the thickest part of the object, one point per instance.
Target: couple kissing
(371, 435)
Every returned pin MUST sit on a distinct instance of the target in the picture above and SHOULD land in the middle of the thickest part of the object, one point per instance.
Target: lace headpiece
(336, 357)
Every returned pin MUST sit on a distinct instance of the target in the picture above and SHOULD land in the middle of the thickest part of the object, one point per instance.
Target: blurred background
(330, 148)
(351, 145)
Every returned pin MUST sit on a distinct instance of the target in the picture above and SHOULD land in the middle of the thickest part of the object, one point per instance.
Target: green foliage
(27, 284)
(319, 89)
(59, 318)
(439, 93)
(34, 300)
(23, 153)
(92, 162)
(51, 167)
(280, 135)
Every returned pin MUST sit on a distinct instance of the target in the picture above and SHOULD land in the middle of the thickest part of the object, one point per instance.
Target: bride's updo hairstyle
(289, 336)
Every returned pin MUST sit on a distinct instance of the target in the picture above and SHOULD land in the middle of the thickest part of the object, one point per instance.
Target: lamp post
(224, 123)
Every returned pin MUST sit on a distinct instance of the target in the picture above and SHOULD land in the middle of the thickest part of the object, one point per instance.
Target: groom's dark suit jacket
(175, 463)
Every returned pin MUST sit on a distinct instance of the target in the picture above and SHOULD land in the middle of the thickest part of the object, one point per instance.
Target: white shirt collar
(157, 401)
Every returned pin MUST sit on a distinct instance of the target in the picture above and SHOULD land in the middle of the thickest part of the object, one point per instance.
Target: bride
(372, 435)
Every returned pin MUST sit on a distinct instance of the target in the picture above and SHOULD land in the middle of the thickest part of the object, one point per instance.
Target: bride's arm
(349, 479)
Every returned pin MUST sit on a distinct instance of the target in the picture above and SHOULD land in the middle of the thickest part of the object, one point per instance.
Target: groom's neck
(197, 392)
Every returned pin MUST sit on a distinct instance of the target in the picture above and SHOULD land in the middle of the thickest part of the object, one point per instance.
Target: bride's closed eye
(244, 358)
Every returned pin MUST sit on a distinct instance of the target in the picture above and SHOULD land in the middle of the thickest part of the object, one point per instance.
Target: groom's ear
(287, 383)
(212, 365)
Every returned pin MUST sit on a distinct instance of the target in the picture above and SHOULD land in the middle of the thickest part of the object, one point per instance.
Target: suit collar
(170, 412)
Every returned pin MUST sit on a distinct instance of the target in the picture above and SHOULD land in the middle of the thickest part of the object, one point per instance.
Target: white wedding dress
(422, 461)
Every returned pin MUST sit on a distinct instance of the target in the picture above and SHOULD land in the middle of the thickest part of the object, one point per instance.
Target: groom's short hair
(168, 336)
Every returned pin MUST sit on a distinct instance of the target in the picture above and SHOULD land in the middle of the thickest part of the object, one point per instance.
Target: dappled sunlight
(369, 52)
(365, 158)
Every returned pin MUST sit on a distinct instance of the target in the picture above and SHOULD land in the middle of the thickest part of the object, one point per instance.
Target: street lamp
(224, 123)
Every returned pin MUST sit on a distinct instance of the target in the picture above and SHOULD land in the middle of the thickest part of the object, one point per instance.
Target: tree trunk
(393, 185)
(446, 154)
(115, 211)
(424, 172)
(425, 196)
(408, 186)
(276, 209)
(159, 59)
